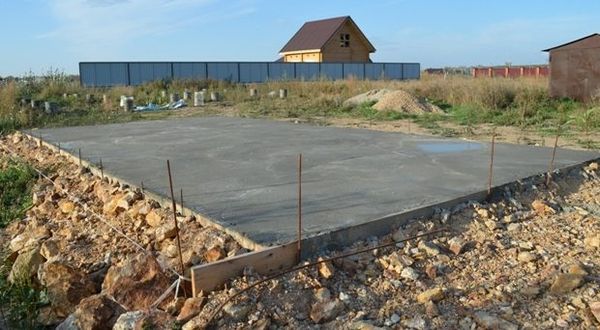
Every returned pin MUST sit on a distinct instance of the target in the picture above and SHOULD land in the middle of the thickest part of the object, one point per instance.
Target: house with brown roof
(575, 69)
(328, 40)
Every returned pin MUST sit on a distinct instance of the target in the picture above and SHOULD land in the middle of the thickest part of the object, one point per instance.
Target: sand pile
(393, 100)
(373, 95)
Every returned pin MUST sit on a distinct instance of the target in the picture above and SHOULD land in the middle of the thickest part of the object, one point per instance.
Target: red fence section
(511, 71)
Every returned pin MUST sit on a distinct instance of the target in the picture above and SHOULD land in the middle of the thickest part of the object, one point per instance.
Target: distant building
(575, 69)
(329, 40)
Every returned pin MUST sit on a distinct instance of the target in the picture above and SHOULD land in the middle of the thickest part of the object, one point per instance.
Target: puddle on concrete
(449, 147)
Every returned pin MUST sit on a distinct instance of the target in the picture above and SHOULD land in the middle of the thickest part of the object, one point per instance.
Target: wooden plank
(209, 277)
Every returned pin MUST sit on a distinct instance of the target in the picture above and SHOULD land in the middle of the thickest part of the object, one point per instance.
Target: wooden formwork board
(209, 277)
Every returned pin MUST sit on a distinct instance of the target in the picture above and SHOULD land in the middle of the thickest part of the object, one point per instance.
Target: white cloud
(99, 27)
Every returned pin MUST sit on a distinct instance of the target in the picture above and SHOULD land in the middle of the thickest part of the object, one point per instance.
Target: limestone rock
(430, 248)
(30, 238)
(456, 245)
(191, 307)
(26, 266)
(436, 294)
(431, 309)
(409, 273)
(489, 321)
(215, 253)
(541, 208)
(323, 294)
(363, 325)
(236, 311)
(165, 231)
(129, 321)
(592, 241)
(326, 269)
(66, 207)
(526, 256)
(565, 283)
(49, 249)
(595, 309)
(155, 218)
(115, 206)
(431, 270)
(322, 312)
(95, 313)
(577, 268)
(135, 283)
(65, 286)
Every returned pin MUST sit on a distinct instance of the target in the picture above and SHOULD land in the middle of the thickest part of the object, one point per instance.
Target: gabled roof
(571, 42)
(315, 34)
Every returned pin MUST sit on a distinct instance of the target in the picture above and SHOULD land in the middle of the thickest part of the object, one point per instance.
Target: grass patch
(16, 181)
(19, 301)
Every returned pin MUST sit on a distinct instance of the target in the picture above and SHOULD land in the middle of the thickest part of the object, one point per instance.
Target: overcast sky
(38, 35)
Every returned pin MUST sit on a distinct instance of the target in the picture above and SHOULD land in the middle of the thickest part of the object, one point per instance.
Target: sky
(40, 35)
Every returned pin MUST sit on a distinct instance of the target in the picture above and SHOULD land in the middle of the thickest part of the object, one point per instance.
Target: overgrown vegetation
(466, 101)
(20, 300)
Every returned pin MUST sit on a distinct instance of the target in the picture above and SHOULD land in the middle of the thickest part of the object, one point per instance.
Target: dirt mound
(373, 95)
(402, 101)
(393, 100)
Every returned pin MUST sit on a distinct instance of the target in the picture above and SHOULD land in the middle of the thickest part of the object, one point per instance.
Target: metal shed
(575, 69)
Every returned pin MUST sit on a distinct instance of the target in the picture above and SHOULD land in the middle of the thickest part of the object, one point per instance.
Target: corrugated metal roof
(571, 42)
(314, 34)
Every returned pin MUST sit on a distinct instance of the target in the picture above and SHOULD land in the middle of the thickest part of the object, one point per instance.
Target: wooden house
(329, 40)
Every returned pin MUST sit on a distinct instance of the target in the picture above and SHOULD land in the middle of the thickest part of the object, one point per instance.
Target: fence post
(402, 68)
(128, 74)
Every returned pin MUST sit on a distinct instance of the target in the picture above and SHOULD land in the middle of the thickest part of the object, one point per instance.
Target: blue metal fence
(106, 74)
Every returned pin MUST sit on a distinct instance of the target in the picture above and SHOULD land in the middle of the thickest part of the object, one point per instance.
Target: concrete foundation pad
(241, 173)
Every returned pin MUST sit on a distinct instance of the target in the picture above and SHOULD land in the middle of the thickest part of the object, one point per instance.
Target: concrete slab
(241, 173)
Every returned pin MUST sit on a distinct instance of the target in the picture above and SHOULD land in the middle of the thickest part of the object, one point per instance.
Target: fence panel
(281, 71)
(307, 71)
(393, 71)
(354, 71)
(332, 71)
(253, 72)
(189, 70)
(223, 71)
(374, 71)
(146, 72)
(411, 70)
(87, 74)
(105, 74)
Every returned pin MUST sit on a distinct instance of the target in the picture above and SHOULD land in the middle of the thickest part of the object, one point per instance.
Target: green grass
(19, 302)
(16, 181)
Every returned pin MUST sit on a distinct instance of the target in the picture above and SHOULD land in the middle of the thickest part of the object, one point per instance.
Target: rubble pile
(63, 245)
(528, 259)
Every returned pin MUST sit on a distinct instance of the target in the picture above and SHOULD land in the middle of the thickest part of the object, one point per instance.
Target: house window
(344, 40)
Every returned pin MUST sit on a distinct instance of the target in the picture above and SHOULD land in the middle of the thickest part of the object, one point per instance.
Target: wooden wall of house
(303, 57)
(356, 52)
(575, 70)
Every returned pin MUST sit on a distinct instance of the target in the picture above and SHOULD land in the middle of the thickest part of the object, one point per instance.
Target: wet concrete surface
(242, 174)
